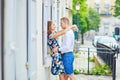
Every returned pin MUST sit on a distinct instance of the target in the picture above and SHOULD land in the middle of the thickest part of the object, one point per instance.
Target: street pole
(77, 26)
(77, 42)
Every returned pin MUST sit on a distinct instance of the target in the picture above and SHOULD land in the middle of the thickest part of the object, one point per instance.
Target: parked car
(96, 39)
(106, 40)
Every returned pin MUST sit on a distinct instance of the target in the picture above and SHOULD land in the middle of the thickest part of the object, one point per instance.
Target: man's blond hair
(65, 20)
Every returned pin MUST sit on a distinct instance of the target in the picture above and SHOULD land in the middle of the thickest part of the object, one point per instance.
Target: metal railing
(106, 55)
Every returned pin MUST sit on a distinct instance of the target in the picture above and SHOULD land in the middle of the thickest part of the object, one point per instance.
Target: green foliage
(76, 71)
(101, 70)
(117, 8)
(91, 59)
(80, 71)
(93, 19)
(80, 15)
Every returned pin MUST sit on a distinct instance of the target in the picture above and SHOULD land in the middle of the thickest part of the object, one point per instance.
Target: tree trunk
(82, 37)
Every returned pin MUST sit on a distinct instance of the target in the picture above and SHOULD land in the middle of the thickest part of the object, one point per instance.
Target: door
(32, 40)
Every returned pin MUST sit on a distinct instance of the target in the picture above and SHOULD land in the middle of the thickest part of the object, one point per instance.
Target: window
(97, 7)
(106, 28)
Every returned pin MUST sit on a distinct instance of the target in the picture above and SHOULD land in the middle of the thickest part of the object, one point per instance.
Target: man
(67, 49)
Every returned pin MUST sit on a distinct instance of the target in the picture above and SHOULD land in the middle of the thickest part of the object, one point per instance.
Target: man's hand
(55, 50)
(75, 28)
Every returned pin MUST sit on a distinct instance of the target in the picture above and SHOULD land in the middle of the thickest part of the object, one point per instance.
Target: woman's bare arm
(61, 32)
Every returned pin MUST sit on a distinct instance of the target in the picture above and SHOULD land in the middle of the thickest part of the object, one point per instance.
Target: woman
(57, 67)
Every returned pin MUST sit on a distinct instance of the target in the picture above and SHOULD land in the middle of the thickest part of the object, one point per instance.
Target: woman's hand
(55, 54)
(55, 50)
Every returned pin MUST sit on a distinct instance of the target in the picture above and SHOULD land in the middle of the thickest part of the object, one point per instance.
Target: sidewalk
(92, 77)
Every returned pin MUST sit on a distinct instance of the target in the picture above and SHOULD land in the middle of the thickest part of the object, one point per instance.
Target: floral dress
(57, 64)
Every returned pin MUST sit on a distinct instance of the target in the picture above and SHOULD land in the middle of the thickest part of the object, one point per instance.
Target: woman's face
(53, 26)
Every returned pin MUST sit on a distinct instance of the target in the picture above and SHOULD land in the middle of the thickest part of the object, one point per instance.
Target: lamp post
(77, 9)
(77, 42)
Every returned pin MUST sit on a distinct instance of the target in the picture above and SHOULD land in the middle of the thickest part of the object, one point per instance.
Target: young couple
(62, 56)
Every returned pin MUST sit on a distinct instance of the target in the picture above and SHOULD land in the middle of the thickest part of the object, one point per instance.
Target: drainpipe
(2, 38)
(27, 18)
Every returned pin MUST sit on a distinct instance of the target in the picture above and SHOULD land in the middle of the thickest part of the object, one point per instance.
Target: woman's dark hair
(49, 23)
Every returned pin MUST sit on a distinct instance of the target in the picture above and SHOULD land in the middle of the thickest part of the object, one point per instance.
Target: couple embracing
(62, 56)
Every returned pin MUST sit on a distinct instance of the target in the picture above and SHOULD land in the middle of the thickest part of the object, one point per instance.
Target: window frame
(46, 16)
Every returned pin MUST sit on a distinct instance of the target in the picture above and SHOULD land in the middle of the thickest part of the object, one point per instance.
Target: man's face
(62, 24)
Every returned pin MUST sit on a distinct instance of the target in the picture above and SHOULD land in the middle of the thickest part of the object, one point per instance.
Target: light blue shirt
(68, 42)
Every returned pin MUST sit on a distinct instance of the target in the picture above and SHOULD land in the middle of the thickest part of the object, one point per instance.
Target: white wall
(10, 67)
(15, 40)
(32, 40)
(43, 71)
(40, 68)
(0, 39)
(21, 39)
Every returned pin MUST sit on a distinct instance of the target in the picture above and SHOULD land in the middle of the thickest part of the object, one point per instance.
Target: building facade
(23, 38)
(53, 10)
(103, 7)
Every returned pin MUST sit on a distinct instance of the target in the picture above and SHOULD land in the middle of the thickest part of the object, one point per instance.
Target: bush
(91, 59)
(101, 70)
(76, 71)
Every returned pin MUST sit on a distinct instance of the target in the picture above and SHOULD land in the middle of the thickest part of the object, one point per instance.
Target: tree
(93, 19)
(80, 16)
(117, 8)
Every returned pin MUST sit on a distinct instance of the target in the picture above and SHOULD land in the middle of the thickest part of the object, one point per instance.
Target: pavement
(81, 63)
